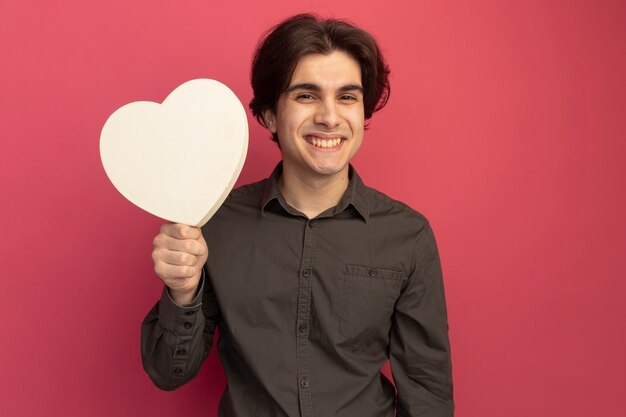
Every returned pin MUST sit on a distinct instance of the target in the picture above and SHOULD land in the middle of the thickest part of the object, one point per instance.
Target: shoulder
(241, 207)
(382, 206)
(401, 226)
(252, 191)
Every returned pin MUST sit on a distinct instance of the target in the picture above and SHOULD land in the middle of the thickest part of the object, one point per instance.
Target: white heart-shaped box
(177, 160)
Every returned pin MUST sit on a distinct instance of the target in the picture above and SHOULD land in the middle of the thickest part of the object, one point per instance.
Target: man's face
(319, 119)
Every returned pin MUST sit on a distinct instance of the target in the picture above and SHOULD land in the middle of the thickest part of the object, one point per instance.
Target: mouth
(324, 142)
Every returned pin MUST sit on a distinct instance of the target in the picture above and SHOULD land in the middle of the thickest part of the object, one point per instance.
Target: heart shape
(177, 160)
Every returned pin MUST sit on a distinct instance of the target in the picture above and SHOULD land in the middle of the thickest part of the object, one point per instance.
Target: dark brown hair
(280, 49)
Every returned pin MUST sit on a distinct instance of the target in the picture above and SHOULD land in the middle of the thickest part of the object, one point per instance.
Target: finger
(181, 231)
(191, 246)
(174, 272)
(179, 258)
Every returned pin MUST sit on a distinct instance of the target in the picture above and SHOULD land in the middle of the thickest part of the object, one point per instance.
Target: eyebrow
(316, 88)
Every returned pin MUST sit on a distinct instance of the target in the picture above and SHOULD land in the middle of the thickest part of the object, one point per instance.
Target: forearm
(173, 342)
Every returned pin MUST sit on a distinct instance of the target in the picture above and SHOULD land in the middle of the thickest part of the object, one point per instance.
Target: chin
(334, 170)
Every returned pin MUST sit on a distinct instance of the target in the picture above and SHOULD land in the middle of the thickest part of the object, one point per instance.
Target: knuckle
(189, 246)
(159, 269)
(159, 240)
(200, 248)
(184, 258)
(189, 272)
(181, 229)
(159, 255)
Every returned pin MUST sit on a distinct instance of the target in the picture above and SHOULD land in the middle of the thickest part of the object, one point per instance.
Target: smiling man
(319, 123)
(314, 280)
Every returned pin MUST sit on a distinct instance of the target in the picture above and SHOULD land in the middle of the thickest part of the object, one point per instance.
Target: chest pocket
(367, 300)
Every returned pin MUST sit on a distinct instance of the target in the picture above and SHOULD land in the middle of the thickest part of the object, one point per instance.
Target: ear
(270, 120)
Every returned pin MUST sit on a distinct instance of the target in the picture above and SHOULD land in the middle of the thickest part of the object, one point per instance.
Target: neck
(312, 195)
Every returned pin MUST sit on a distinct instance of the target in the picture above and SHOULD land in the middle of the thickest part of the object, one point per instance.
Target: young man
(313, 279)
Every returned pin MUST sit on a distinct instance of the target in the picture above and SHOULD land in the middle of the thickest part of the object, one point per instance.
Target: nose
(327, 114)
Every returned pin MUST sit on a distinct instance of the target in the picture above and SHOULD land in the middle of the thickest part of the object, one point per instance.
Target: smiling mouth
(323, 143)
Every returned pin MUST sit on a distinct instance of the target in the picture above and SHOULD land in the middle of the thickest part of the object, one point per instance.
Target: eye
(347, 97)
(304, 97)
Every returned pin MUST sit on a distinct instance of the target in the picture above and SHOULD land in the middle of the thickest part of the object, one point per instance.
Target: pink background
(506, 127)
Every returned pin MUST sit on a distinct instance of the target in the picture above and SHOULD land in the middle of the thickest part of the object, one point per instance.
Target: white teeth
(324, 143)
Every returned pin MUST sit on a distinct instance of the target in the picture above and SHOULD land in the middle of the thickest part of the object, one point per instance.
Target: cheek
(358, 123)
(291, 123)
(357, 116)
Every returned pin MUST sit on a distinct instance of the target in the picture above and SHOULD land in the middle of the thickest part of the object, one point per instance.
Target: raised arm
(177, 333)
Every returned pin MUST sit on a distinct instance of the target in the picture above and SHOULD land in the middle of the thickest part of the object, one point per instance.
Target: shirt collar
(354, 196)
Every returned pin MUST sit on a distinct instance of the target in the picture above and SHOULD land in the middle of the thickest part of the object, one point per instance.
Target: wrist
(182, 297)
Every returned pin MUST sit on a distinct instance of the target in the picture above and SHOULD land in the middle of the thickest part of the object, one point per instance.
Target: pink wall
(506, 127)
